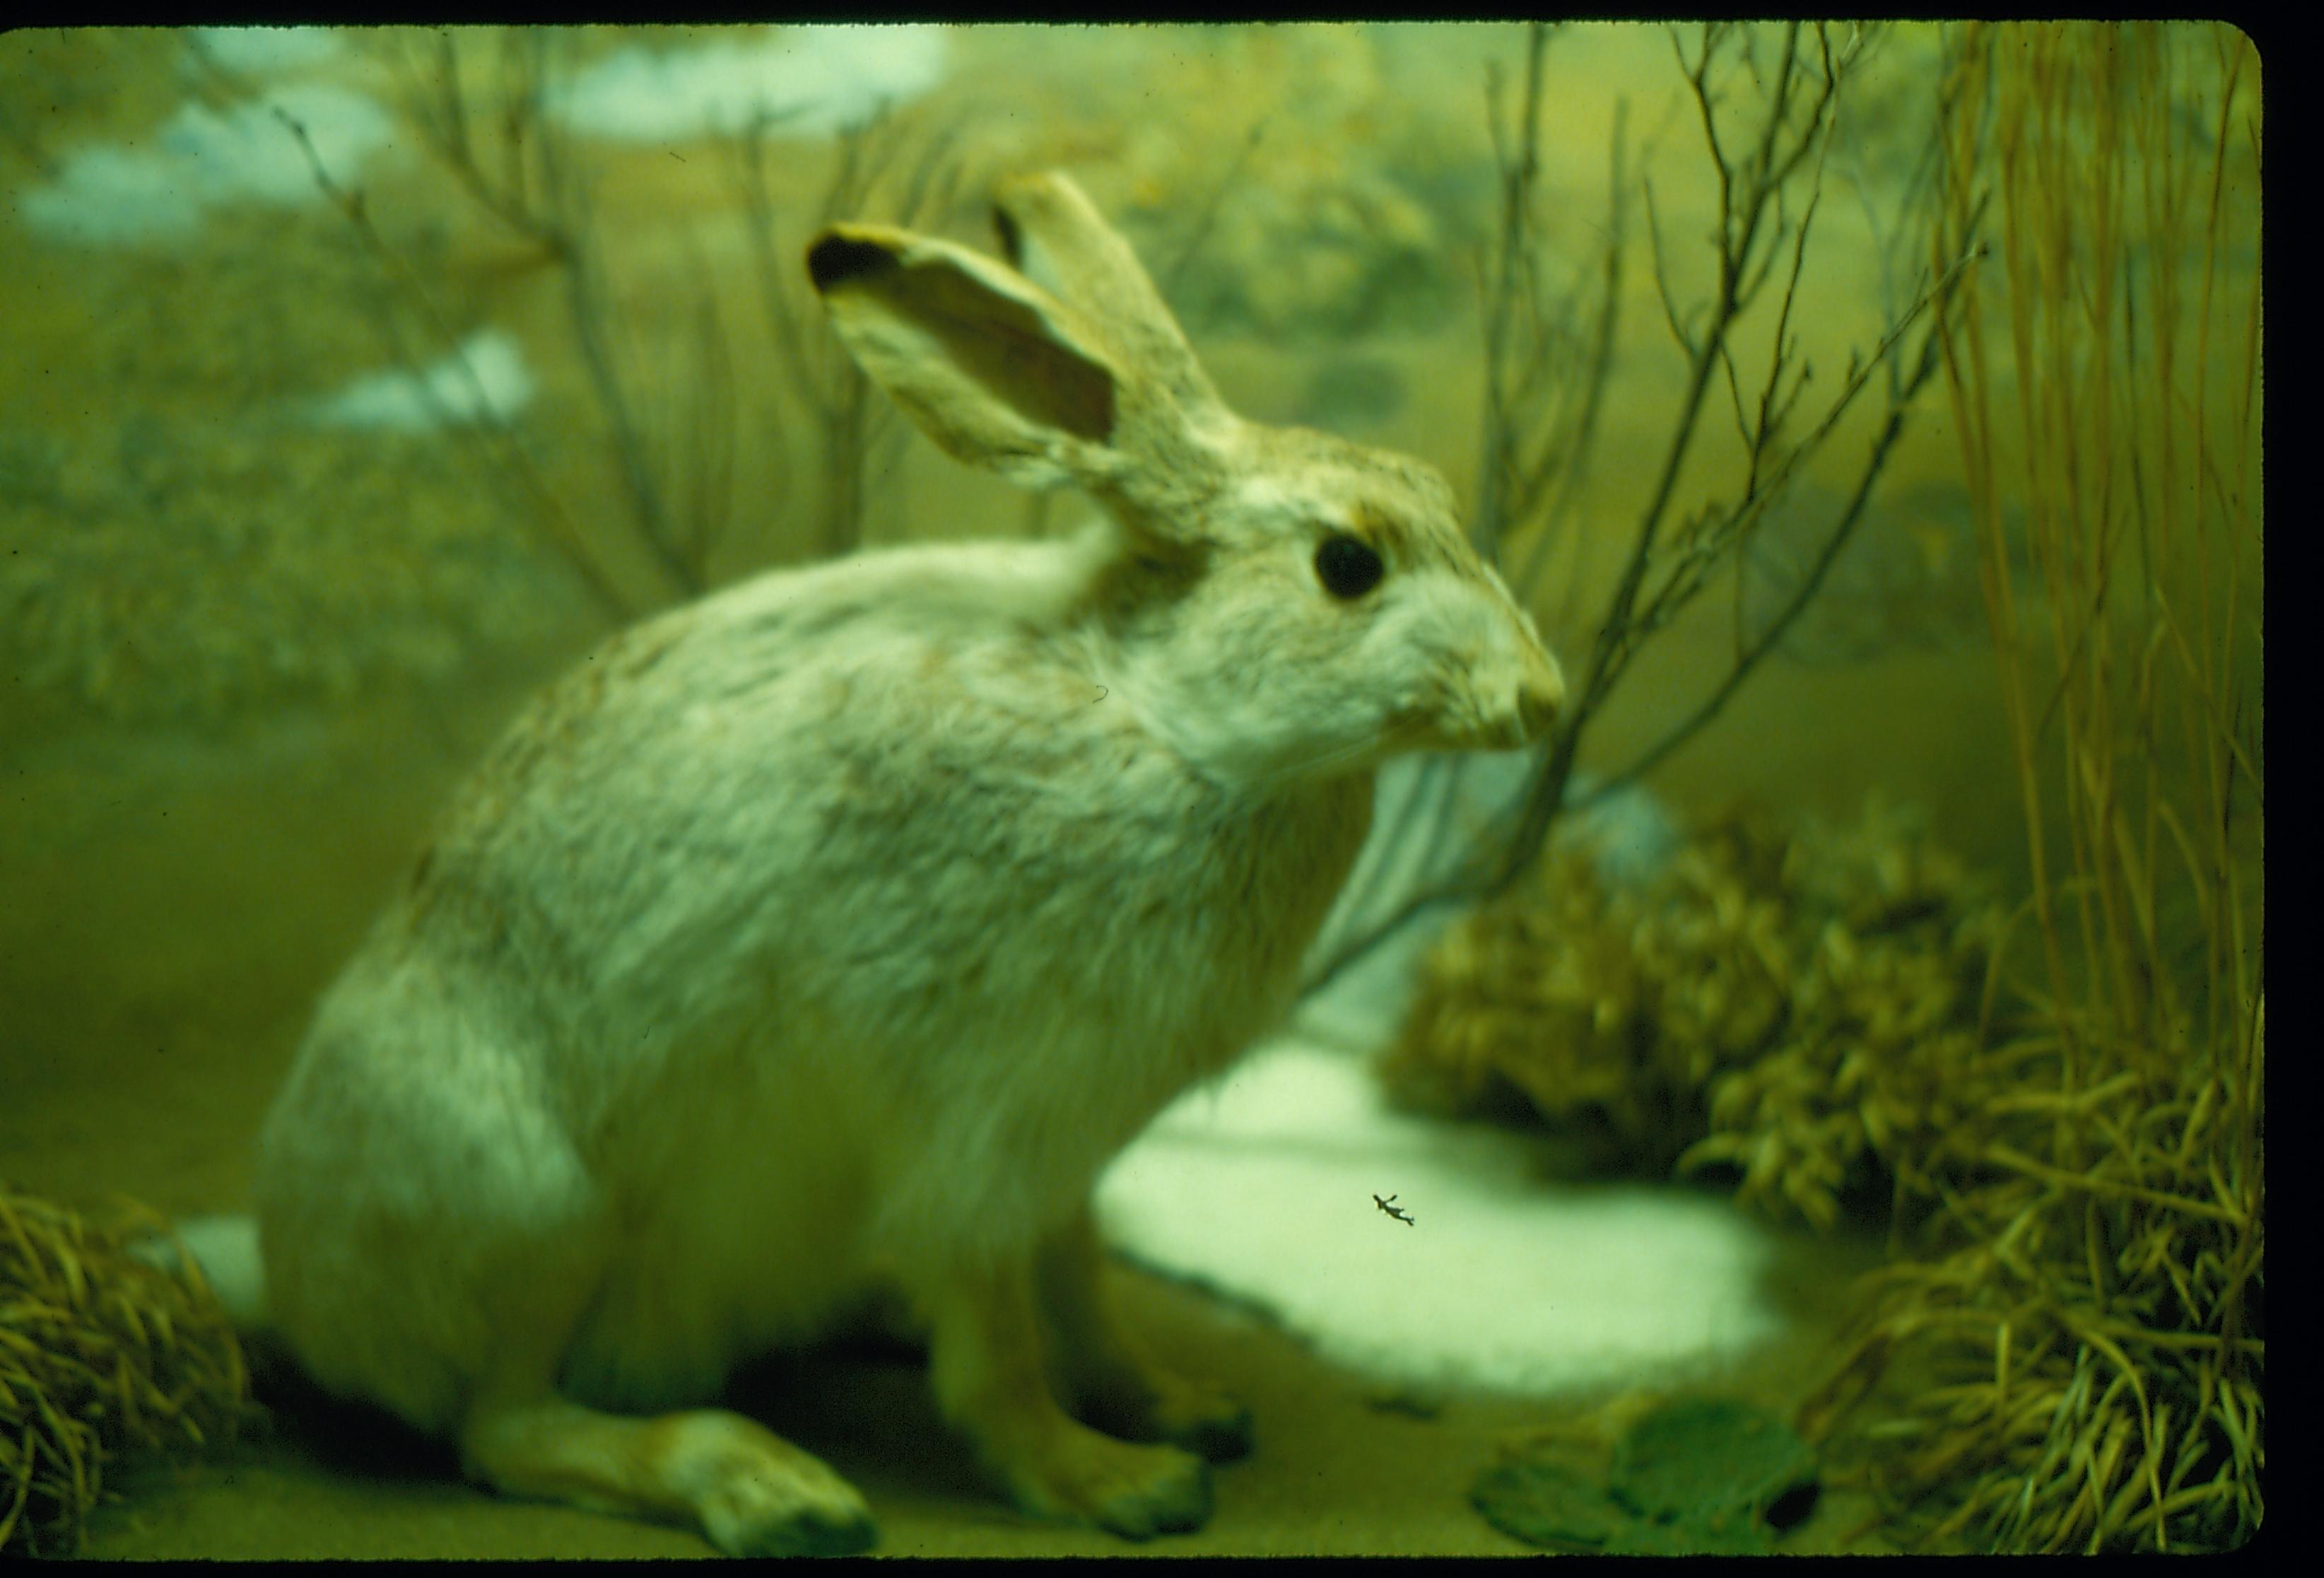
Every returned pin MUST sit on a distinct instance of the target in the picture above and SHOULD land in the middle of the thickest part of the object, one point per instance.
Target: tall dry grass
(2075, 1353)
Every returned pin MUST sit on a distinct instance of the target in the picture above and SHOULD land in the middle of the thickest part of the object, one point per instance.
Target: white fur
(848, 921)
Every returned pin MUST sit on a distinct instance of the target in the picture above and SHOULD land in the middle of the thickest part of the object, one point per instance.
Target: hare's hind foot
(1081, 1476)
(1106, 1375)
(986, 1361)
(750, 1492)
(1164, 1407)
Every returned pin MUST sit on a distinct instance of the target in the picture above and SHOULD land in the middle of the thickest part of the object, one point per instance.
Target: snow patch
(485, 377)
(1261, 1186)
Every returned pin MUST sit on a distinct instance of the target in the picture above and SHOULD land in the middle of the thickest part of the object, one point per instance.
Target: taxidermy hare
(848, 921)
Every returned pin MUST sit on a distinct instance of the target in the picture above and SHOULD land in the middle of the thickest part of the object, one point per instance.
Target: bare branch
(1837, 539)
(1199, 232)
(1662, 275)
(1666, 568)
(557, 526)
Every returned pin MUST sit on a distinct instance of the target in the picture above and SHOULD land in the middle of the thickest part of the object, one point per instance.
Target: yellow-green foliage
(1787, 1002)
(175, 575)
(100, 1353)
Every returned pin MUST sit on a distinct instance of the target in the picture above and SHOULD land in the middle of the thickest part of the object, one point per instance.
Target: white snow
(1260, 1185)
(1262, 1189)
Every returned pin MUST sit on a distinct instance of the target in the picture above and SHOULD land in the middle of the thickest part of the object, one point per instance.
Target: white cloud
(203, 160)
(114, 194)
(825, 77)
(258, 51)
(486, 374)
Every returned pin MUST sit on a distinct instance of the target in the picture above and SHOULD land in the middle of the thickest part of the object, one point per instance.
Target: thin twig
(561, 533)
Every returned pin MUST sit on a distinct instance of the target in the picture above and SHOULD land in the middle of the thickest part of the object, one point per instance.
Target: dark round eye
(1347, 565)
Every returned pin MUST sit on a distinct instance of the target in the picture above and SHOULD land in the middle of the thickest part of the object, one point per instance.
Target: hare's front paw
(1132, 1491)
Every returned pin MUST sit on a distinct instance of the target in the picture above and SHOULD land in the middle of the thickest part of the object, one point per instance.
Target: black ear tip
(835, 259)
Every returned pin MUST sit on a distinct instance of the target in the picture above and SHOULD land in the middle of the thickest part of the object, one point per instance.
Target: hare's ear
(993, 367)
(1055, 237)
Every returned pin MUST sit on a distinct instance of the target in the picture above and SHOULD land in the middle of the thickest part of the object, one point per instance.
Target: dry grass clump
(2083, 1339)
(100, 1355)
(2084, 1363)
(1793, 1004)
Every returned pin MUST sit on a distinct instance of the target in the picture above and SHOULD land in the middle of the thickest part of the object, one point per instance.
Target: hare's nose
(1541, 692)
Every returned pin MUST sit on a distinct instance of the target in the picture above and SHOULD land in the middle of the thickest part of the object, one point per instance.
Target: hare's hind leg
(985, 1357)
(749, 1492)
(1104, 1374)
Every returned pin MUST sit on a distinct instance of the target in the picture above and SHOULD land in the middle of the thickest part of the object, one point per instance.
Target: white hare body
(770, 991)
(848, 922)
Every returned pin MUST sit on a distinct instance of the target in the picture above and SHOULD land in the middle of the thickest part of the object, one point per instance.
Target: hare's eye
(1347, 565)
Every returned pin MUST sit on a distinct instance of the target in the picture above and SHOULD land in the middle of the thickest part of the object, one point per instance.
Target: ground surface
(1336, 1471)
